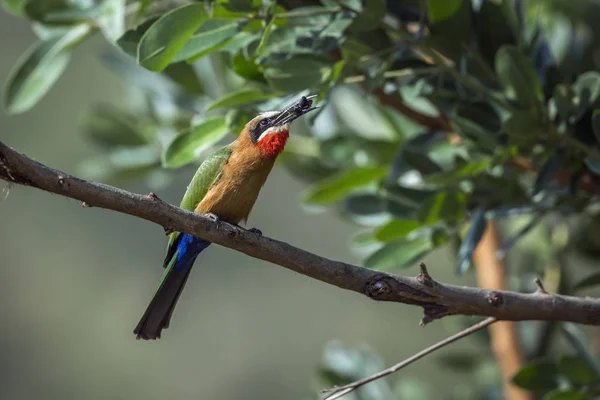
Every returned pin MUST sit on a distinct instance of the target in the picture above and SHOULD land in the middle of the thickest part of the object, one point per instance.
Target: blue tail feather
(188, 248)
(158, 314)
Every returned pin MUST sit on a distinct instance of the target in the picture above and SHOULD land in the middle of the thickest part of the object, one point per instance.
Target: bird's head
(270, 130)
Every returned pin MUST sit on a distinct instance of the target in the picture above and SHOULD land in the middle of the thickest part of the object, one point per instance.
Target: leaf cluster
(438, 116)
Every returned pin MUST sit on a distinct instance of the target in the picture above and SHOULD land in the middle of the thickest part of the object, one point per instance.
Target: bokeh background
(74, 281)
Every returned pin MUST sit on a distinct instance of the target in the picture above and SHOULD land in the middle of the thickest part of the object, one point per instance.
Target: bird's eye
(264, 123)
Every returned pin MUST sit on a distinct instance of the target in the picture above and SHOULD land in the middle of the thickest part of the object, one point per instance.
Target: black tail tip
(140, 334)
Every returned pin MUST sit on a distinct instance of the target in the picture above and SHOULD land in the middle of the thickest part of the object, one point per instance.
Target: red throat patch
(274, 143)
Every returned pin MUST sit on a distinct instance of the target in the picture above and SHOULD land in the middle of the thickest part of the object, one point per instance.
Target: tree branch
(341, 391)
(438, 300)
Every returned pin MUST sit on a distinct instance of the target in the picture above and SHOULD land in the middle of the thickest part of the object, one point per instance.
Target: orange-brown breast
(232, 197)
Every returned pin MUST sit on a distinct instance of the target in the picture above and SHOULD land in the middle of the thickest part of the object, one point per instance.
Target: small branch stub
(424, 276)
(85, 205)
(540, 287)
(153, 196)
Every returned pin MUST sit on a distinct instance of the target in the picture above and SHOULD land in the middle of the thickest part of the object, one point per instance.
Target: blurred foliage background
(438, 116)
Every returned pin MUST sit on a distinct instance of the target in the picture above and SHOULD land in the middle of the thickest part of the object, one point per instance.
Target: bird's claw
(255, 230)
(212, 217)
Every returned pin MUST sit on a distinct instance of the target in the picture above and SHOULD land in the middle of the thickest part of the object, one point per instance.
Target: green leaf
(112, 19)
(419, 160)
(245, 6)
(444, 206)
(440, 10)
(518, 77)
(246, 68)
(15, 7)
(473, 123)
(265, 37)
(464, 172)
(168, 35)
(370, 17)
(361, 117)
(564, 98)
(568, 394)
(587, 88)
(538, 375)
(130, 40)
(330, 190)
(39, 68)
(239, 42)
(522, 127)
(185, 75)
(409, 197)
(469, 244)
(61, 12)
(399, 254)
(397, 229)
(242, 96)
(497, 24)
(364, 239)
(143, 4)
(109, 126)
(183, 148)
(212, 36)
(286, 41)
(576, 370)
(588, 281)
(227, 9)
(365, 204)
(297, 74)
(336, 28)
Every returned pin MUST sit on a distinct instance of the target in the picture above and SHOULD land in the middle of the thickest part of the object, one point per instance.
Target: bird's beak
(295, 110)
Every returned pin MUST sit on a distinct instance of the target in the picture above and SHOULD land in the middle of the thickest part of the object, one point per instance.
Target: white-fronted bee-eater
(225, 186)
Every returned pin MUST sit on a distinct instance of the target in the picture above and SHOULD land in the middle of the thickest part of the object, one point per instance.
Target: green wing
(207, 174)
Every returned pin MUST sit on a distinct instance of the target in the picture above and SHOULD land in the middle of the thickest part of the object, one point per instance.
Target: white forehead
(268, 114)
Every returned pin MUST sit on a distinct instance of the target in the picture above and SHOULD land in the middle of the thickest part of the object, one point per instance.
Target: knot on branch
(495, 299)
(380, 287)
(62, 181)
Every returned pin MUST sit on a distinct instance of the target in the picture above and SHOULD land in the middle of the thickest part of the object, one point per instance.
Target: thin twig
(393, 74)
(340, 391)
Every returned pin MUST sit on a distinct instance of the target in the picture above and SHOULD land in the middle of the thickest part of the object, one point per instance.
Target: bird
(224, 188)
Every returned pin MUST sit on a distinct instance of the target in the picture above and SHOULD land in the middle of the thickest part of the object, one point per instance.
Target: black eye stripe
(259, 129)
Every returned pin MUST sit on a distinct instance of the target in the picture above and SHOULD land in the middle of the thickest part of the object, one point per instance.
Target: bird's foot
(255, 230)
(252, 230)
(212, 217)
